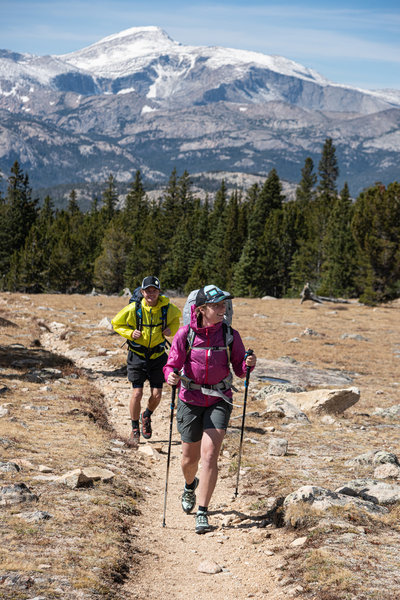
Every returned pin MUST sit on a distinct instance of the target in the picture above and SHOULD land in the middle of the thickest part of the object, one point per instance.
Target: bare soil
(109, 541)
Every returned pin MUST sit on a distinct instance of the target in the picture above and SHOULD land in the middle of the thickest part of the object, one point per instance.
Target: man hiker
(145, 323)
(205, 393)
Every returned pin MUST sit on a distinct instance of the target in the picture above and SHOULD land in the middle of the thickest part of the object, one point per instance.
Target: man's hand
(136, 334)
(166, 332)
(173, 379)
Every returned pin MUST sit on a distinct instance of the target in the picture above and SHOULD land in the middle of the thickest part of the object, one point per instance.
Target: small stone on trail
(299, 541)
(210, 567)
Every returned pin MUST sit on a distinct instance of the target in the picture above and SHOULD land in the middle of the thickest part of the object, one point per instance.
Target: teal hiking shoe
(202, 525)
(188, 499)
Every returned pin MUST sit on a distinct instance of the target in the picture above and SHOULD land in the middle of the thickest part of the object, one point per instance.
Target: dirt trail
(169, 557)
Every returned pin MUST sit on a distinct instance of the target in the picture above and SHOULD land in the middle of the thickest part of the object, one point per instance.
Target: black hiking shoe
(188, 498)
(146, 426)
(202, 525)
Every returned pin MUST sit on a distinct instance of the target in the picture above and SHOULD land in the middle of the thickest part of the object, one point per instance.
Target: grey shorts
(193, 420)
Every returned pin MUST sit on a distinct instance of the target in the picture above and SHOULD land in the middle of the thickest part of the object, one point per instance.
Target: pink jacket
(204, 366)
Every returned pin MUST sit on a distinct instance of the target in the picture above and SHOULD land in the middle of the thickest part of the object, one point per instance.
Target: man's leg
(154, 399)
(156, 379)
(145, 417)
(134, 405)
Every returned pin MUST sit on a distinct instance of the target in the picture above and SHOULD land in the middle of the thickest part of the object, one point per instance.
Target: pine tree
(18, 212)
(216, 225)
(328, 170)
(339, 267)
(73, 206)
(250, 269)
(172, 210)
(305, 191)
(375, 226)
(269, 198)
(197, 278)
(313, 219)
(33, 260)
(110, 265)
(110, 199)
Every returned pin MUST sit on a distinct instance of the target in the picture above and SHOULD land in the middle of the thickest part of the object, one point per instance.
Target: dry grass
(89, 543)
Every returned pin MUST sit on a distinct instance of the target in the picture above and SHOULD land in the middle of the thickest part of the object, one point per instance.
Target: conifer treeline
(253, 244)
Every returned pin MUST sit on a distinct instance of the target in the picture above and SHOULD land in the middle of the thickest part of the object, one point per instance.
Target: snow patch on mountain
(127, 52)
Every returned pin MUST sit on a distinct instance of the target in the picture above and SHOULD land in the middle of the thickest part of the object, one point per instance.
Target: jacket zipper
(207, 357)
(151, 327)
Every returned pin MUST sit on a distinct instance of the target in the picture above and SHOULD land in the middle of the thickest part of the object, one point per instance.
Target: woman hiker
(202, 352)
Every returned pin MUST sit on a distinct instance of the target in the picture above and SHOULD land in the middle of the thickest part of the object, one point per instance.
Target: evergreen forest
(252, 243)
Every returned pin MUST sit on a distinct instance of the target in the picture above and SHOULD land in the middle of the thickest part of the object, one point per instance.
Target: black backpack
(137, 299)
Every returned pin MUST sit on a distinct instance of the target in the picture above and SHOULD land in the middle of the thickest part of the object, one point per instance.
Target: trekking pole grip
(249, 352)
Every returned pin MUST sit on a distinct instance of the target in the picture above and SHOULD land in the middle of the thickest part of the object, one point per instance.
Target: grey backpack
(191, 300)
(227, 329)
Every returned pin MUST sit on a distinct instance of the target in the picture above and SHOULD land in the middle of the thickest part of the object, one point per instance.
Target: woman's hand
(136, 334)
(173, 379)
(251, 360)
(166, 332)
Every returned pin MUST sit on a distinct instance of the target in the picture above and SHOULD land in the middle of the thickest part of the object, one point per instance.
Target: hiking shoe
(188, 499)
(146, 426)
(133, 440)
(202, 525)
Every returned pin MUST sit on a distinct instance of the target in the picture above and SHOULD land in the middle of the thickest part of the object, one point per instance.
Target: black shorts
(140, 369)
(193, 420)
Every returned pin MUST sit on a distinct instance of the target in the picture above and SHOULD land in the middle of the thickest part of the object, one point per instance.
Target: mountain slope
(139, 99)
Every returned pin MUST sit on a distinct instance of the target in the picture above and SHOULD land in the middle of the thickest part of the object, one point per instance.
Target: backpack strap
(228, 341)
(218, 388)
(139, 314)
(164, 313)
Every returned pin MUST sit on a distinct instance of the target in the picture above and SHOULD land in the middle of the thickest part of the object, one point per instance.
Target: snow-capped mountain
(138, 99)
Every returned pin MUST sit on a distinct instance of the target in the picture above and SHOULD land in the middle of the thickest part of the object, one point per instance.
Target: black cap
(210, 294)
(151, 281)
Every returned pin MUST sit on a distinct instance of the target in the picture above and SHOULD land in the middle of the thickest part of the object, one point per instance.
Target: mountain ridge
(139, 100)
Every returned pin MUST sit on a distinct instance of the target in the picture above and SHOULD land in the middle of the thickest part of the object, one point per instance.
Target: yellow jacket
(124, 323)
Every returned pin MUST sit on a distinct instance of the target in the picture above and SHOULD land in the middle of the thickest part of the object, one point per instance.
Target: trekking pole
(169, 444)
(246, 387)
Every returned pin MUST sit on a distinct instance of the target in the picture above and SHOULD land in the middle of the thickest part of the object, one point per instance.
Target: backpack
(226, 325)
(137, 299)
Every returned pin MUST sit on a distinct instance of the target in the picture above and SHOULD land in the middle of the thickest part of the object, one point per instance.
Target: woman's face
(213, 313)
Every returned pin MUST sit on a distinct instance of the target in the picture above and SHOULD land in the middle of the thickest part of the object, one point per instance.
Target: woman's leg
(190, 460)
(209, 451)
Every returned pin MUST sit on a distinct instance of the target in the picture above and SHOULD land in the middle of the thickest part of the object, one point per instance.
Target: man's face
(151, 294)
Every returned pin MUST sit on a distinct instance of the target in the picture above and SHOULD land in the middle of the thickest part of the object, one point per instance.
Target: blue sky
(351, 42)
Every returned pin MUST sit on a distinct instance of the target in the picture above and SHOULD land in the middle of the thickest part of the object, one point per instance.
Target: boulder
(15, 494)
(321, 401)
(282, 408)
(74, 479)
(323, 499)
(277, 447)
(372, 490)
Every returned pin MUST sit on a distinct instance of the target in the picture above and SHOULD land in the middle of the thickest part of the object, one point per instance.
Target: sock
(202, 509)
(147, 413)
(190, 486)
(135, 424)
